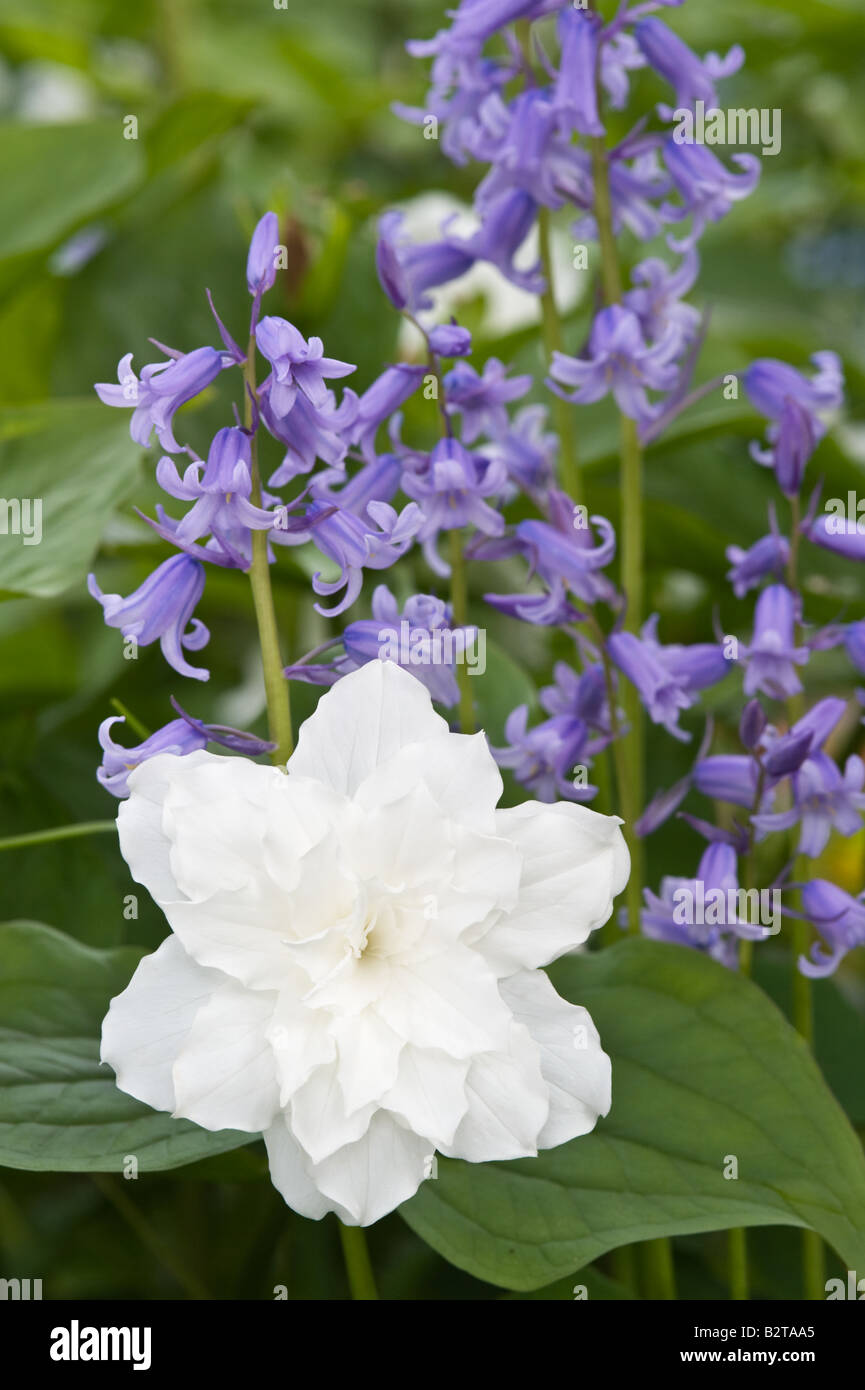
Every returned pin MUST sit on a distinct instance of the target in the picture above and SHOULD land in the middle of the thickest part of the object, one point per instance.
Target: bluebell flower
(408, 271)
(522, 143)
(772, 656)
(309, 432)
(770, 382)
(420, 638)
(768, 556)
(544, 758)
(708, 189)
(480, 399)
(563, 553)
(575, 90)
(354, 543)
(387, 393)
(160, 609)
(693, 78)
(841, 537)
(506, 221)
(298, 365)
(221, 495)
(840, 920)
(729, 777)
(824, 800)
(667, 678)
(619, 360)
(657, 298)
(450, 340)
(452, 495)
(670, 915)
(528, 451)
(461, 88)
(162, 389)
(582, 696)
(179, 737)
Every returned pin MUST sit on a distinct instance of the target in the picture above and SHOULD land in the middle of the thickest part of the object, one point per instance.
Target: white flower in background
(354, 964)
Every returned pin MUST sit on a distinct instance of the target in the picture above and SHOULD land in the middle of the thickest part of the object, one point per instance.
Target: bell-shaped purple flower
(544, 759)
(163, 388)
(769, 383)
(528, 451)
(575, 90)
(840, 920)
(768, 556)
(708, 189)
(177, 737)
(772, 657)
(480, 399)
(408, 271)
(160, 610)
(452, 494)
(619, 360)
(662, 694)
(693, 78)
(694, 912)
(221, 495)
(379, 402)
(449, 340)
(824, 800)
(729, 777)
(298, 365)
(354, 543)
(309, 432)
(657, 298)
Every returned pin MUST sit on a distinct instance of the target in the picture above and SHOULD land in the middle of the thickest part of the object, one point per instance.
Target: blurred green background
(105, 241)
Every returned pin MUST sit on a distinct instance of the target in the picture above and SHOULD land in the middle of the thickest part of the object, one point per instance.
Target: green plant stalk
(657, 1255)
(460, 607)
(813, 1252)
(276, 687)
(361, 1280)
(656, 1263)
(563, 412)
(60, 832)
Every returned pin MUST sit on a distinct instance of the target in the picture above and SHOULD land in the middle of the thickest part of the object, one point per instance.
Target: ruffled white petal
(379, 1172)
(363, 721)
(225, 1075)
(573, 1064)
(147, 1025)
(575, 862)
(508, 1104)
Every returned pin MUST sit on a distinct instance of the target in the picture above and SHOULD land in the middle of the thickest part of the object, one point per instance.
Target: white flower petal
(371, 1177)
(575, 862)
(575, 1067)
(319, 1119)
(148, 1023)
(430, 1094)
(290, 1173)
(508, 1104)
(369, 1053)
(458, 770)
(364, 720)
(450, 1001)
(225, 1075)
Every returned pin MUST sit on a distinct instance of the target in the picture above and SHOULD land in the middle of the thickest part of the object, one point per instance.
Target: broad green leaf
(76, 460)
(704, 1066)
(53, 176)
(60, 1109)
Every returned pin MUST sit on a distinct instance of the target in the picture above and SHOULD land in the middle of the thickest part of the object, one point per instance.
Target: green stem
(276, 687)
(563, 413)
(460, 607)
(656, 1259)
(135, 724)
(358, 1266)
(60, 832)
(737, 1265)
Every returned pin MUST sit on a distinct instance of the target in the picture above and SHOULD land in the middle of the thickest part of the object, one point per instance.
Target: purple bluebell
(854, 642)
(563, 552)
(618, 360)
(308, 432)
(461, 89)
(261, 261)
(674, 914)
(824, 800)
(834, 533)
(768, 556)
(528, 450)
(378, 481)
(662, 694)
(177, 737)
(707, 188)
(544, 758)
(354, 543)
(297, 365)
(162, 389)
(452, 494)
(657, 298)
(387, 393)
(840, 920)
(575, 90)
(769, 383)
(792, 441)
(221, 495)
(583, 696)
(729, 777)
(506, 222)
(160, 609)
(480, 398)
(408, 271)
(772, 656)
(693, 78)
(527, 154)
(752, 725)
(420, 638)
(550, 609)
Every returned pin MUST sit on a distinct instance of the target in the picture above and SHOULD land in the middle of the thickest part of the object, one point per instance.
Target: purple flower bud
(795, 443)
(693, 79)
(261, 262)
(575, 93)
(727, 777)
(835, 533)
(390, 391)
(769, 383)
(663, 696)
(787, 754)
(752, 724)
(449, 340)
(160, 609)
(854, 641)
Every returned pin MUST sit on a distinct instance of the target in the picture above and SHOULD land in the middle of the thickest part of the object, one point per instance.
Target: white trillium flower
(354, 965)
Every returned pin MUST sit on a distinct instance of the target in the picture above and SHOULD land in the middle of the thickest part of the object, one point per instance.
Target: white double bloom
(354, 962)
